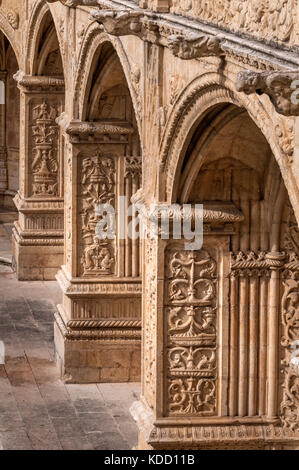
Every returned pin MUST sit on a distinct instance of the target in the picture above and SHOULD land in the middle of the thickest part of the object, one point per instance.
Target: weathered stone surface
(162, 102)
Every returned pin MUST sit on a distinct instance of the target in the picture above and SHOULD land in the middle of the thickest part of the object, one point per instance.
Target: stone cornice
(38, 83)
(27, 205)
(81, 131)
(75, 3)
(266, 56)
(279, 86)
(120, 287)
(148, 27)
(252, 52)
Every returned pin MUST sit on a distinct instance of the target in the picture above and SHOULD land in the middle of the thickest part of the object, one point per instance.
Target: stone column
(38, 234)
(190, 351)
(97, 328)
(185, 335)
(3, 150)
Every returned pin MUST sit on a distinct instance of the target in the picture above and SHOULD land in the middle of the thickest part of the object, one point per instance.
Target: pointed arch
(90, 49)
(9, 33)
(203, 93)
(43, 41)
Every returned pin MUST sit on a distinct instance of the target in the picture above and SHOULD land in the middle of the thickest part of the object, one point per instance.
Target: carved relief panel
(97, 175)
(191, 324)
(44, 148)
(104, 174)
(290, 327)
(275, 20)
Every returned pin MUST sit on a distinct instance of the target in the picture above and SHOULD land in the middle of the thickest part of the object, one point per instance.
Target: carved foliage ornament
(272, 20)
(97, 187)
(279, 86)
(191, 326)
(290, 325)
(44, 165)
(12, 17)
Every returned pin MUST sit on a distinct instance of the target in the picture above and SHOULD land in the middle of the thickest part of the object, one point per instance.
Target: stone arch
(93, 40)
(9, 32)
(202, 94)
(226, 163)
(9, 134)
(39, 17)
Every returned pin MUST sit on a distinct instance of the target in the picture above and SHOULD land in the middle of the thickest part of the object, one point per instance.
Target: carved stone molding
(75, 3)
(38, 83)
(79, 131)
(260, 263)
(148, 27)
(191, 327)
(279, 86)
(111, 331)
(290, 328)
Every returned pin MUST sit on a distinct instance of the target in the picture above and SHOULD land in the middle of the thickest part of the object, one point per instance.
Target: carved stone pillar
(3, 151)
(211, 344)
(38, 234)
(185, 331)
(97, 328)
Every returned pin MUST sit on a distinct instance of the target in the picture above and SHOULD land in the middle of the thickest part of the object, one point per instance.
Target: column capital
(27, 83)
(91, 132)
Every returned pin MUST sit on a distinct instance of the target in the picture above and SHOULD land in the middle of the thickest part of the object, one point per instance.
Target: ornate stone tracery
(44, 162)
(191, 316)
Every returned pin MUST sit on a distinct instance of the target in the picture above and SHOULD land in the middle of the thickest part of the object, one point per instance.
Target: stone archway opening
(38, 236)
(105, 274)
(226, 325)
(9, 146)
(231, 163)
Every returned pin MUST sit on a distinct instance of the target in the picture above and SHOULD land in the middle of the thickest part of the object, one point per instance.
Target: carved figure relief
(97, 187)
(269, 20)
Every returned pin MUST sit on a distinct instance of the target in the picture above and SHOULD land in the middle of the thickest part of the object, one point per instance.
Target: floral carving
(97, 187)
(192, 397)
(191, 326)
(290, 323)
(269, 20)
(44, 162)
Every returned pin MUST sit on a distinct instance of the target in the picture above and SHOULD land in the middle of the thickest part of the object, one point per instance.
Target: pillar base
(91, 354)
(36, 259)
(210, 433)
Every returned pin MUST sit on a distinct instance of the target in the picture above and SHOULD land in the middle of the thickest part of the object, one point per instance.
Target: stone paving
(37, 410)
